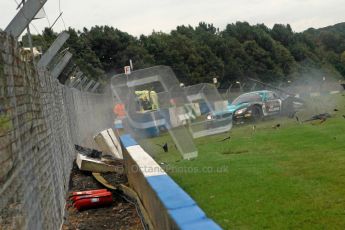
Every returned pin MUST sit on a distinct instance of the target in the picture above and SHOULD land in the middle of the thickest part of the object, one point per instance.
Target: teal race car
(258, 104)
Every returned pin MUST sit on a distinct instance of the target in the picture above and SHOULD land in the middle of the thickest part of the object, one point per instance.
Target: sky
(144, 16)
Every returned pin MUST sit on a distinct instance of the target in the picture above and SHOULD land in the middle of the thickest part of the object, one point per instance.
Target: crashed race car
(259, 104)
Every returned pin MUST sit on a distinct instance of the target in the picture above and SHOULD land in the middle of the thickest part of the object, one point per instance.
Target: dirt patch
(120, 215)
(234, 152)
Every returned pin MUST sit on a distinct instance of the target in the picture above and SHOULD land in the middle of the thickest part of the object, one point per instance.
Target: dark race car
(258, 104)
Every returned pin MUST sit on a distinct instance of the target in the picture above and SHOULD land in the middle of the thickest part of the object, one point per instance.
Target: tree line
(198, 54)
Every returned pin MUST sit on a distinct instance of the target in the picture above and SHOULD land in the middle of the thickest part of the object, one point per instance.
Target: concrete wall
(40, 121)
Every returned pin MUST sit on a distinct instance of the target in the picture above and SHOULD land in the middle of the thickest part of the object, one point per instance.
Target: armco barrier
(169, 207)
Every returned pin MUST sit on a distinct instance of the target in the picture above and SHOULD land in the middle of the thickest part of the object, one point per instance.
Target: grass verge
(276, 178)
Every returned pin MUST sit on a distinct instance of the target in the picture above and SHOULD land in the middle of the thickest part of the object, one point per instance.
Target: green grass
(287, 178)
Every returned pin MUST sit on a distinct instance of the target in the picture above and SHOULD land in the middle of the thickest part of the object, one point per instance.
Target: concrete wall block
(109, 143)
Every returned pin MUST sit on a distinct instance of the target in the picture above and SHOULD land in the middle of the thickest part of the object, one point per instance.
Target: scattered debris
(128, 194)
(292, 114)
(103, 181)
(297, 119)
(73, 195)
(227, 138)
(109, 143)
(276, 126)
(88, 152)
(120, 214)
(322, 121)
(235, 152)
(165, 147)
(322, 117)
(91, 199)
(96, 165)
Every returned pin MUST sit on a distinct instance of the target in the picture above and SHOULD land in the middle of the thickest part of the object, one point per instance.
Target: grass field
(292, 177)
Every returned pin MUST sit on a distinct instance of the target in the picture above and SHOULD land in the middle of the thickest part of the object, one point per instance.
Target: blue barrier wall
(168, 205)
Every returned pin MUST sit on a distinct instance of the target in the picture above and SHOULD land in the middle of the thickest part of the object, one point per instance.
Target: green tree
(342, 58)
(282, 33)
